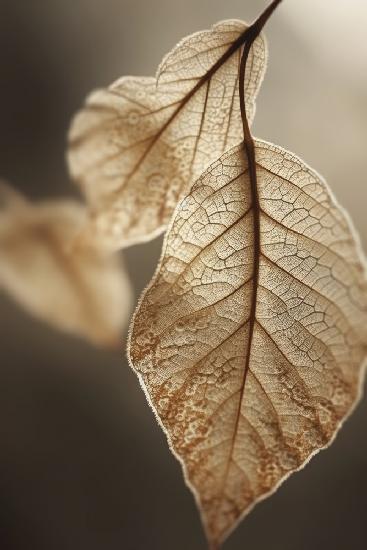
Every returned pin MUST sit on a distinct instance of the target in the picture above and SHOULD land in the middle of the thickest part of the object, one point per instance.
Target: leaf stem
(257, 26)
(252, 33)
(249, 37)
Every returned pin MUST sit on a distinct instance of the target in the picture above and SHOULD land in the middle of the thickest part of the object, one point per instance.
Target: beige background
(82, 463)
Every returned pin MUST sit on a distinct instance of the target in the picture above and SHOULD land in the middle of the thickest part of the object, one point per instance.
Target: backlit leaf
(79, 290)
(137, 147)
(250, 346)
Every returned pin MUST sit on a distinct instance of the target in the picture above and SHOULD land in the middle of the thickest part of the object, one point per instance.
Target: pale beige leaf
(252, 372)
(137, 147)
(79, 290)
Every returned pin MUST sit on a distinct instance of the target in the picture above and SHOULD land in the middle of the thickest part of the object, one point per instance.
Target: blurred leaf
(137, 147)
(250, 346)
(79, 290)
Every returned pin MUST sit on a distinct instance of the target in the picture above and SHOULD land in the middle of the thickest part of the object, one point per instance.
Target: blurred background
(83, 465)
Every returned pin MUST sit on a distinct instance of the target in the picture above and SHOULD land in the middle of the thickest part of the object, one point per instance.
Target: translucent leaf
(250, 347)
(79, 290)
(137, 147)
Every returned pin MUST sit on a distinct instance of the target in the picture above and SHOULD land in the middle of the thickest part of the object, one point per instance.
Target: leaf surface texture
(137, 147)
(246, 395)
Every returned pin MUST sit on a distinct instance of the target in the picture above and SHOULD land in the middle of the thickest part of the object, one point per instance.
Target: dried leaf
(79, 290)
(251, 356)
(137, 147)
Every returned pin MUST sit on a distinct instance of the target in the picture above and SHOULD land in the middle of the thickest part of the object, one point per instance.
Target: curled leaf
(250, 347)
(79, 290)
(137, 147)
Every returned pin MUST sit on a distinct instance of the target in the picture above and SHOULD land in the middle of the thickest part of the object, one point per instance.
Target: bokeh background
(83, 465)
